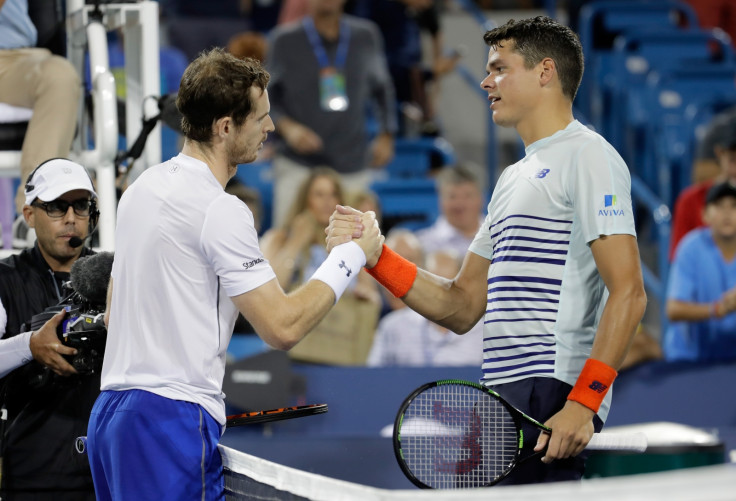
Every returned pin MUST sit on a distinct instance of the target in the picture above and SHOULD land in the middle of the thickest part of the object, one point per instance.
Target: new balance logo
(348, 271)
(597, 386)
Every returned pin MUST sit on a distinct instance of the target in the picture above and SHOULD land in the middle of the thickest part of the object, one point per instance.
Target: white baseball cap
(55, 177)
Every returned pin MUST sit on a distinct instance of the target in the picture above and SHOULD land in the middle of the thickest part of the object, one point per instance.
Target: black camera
(87, 333)
(83, 329)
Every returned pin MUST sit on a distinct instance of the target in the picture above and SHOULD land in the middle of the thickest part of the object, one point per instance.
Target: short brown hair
(216, 85)
(540, 37)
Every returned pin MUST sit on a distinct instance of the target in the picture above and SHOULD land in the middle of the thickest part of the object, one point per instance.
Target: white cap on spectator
(55, 177)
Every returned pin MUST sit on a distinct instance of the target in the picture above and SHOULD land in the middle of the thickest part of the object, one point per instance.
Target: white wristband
(341, 266)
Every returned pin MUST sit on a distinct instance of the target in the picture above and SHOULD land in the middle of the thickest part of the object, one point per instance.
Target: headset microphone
(75, 242)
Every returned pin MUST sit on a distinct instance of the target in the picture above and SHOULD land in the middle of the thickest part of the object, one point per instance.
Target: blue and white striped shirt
(545, 295)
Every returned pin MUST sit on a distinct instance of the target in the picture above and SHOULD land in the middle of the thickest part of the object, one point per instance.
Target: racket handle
(633, 442)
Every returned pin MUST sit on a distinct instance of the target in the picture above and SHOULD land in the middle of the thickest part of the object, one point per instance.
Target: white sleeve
(15, 352)
(230, 243)
(482, 244)
(600, 191)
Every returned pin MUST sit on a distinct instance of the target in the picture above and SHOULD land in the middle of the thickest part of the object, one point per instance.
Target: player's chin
(500, 120)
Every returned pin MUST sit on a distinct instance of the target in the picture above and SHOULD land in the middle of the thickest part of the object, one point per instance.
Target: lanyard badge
(332, 89)
(332, 94)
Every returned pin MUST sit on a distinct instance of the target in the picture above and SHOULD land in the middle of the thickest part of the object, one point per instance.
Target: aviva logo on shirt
(610, 201)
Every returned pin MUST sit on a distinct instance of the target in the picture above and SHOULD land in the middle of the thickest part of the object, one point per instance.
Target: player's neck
(216, 162)
(544, 122)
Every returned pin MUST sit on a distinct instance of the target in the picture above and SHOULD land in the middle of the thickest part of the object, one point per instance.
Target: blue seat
(407, 203)
(600, 22)
(415, 158)
(674, 104)
(636, 55)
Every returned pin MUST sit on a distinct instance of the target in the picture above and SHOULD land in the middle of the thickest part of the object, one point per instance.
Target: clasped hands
(348, 224)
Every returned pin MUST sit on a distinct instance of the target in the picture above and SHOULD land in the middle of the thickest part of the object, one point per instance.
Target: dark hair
(540, 37)
(216, 85)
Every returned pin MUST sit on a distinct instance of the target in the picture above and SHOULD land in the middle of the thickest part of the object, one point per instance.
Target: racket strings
(455, 437)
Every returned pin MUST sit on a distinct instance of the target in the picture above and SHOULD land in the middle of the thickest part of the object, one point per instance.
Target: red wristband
(593, 383)
(394, 272)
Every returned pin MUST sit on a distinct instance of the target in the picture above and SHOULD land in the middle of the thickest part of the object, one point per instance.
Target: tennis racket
(275, 414)
(454, 434)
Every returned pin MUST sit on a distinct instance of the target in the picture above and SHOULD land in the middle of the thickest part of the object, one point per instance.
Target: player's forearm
(284, 263)
(443, 302)
(302, 311)
(289, 321)
(619, 321)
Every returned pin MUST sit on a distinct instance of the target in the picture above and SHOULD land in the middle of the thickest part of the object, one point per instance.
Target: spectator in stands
(461, 206)
(688, 212)
(405, 338)
(248, 44)
(644, 348)
(720, 130)
(296, 248)
(33, 77)
(716, 14)
(402, 23)
(293, 10)
(701, 295)
(325, 70)
(365, 200)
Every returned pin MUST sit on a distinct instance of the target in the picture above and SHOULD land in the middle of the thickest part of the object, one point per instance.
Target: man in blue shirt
(701, 295)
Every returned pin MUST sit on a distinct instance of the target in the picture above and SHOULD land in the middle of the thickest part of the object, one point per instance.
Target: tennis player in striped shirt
(555, 269)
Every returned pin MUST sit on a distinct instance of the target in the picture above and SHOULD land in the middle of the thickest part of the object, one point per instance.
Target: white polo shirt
(183, 248)
(545, 296)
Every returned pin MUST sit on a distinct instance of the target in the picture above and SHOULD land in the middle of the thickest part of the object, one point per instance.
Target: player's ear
(222, 126)
(548, 70)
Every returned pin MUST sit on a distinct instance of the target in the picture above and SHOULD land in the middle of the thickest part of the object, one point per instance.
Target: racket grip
(632, 442)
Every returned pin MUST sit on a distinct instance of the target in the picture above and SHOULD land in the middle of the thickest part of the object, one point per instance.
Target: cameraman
(46, 412)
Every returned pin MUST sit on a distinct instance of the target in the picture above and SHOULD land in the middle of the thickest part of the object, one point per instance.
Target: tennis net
(250, 478)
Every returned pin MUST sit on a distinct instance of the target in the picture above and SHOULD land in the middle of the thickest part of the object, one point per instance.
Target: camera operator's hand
(48, 350)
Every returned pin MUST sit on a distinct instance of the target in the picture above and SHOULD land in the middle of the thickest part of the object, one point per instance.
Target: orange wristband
(394, 272)
(593, 383)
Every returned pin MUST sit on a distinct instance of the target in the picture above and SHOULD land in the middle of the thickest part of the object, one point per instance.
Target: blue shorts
(146, 447)
(541, 398)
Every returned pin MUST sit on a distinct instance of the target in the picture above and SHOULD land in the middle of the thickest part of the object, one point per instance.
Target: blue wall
(345, 442)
